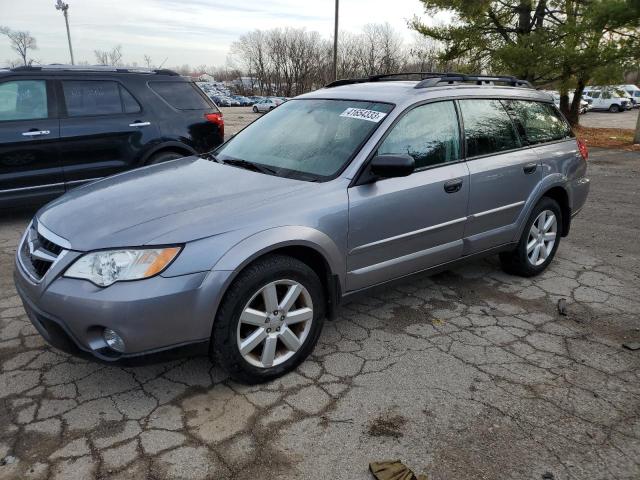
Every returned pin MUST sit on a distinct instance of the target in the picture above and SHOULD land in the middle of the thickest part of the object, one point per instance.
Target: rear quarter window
(539, 122)
(181, 95)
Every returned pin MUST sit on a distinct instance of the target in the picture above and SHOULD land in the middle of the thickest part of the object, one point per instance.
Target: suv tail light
(217, 119)
(582, 146)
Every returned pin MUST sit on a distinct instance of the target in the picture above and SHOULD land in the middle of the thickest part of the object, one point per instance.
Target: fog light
(114, 340)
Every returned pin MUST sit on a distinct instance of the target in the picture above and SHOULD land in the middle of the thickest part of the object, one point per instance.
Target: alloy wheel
(274, 323)
(542, 237)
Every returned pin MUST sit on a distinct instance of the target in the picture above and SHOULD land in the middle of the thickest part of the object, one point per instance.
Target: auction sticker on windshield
(363, 114)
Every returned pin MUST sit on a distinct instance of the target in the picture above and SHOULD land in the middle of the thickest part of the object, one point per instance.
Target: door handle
(453, 186)
(140, 124)
(35, 133)
(530, 168)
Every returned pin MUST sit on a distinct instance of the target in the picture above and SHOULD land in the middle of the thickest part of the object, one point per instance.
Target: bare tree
(147, 60)
(112, 57)
(21, 42)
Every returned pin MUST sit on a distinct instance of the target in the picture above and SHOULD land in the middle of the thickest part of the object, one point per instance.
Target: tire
(229, 332)
(615, 108)
(271, 108)
(255, 109)
(162, 157)
(519, 261)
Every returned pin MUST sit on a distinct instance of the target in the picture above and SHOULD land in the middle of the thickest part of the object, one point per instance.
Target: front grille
(38, 253)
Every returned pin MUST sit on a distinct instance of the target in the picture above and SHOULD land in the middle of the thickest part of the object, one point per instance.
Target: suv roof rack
(433, 79)
(92, 68)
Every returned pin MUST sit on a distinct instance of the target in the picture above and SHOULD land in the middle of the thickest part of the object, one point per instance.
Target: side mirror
(392, 165)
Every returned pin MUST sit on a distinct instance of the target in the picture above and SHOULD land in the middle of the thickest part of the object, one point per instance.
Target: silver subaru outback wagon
(248, 248)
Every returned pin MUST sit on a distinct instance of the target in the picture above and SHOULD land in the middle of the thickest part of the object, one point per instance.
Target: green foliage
(566, 42)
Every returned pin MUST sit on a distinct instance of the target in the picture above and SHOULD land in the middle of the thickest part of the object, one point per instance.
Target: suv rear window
(181, 95)
(97, 97)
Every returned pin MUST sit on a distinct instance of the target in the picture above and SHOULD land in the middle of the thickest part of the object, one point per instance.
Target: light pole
(64, 7)
(335, 45)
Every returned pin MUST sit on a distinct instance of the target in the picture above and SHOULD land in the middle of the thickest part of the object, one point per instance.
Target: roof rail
(453, 78)
(432, 79)
(382, 77)
(92, 68)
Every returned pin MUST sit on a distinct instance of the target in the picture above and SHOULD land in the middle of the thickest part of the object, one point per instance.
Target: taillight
(217, 119)
(582, 146)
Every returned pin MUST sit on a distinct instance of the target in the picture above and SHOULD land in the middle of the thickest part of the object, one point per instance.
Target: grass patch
(620, 138)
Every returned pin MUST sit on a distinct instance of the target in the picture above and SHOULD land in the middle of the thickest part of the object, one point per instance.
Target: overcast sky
(183, 31)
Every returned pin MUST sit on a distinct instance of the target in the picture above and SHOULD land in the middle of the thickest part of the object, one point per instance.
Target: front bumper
(151, 315)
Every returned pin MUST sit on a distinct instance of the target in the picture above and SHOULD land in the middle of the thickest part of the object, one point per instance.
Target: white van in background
(612, 99)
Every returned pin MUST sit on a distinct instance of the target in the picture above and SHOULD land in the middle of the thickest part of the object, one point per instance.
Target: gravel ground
(599, 119)
(470, 374)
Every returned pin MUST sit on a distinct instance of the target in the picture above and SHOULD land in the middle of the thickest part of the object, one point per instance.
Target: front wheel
(538, 243)
(255, 109)
(269, 321)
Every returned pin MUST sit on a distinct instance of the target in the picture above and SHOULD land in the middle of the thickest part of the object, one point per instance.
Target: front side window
(309, 139)
(97, 97)
(540, 121)
(23, 100)
(428, 133)
(488, 128)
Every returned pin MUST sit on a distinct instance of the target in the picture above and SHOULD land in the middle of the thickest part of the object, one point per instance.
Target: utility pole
(64, 7)
(335, 44)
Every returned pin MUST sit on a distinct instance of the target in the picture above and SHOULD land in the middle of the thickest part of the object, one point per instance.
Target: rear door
(502, 173)
(103, 129)
(29, 136)
(398, 226)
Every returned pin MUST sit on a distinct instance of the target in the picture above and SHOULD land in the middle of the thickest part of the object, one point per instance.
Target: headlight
(110, 266)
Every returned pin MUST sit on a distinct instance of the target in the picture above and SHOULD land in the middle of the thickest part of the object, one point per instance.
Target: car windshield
(306, 139)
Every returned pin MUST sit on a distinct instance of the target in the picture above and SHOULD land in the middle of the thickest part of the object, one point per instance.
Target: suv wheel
(538, 243)
(615, 108)
(269, 321)
(162, 157)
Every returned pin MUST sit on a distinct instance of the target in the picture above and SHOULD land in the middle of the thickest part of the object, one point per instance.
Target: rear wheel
(538, 243)
(269, 320)
(255, 109)
(615, 108)
(162, 157)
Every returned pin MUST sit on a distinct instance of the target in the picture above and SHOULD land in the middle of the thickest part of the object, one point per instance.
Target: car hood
(174, 202)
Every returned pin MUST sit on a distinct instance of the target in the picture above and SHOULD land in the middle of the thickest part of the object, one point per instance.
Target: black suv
(63, 126)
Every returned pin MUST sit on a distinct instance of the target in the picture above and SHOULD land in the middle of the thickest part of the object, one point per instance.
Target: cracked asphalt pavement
(469, 374)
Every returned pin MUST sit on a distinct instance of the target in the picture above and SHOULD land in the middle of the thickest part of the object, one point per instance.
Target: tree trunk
(574, 110)
(636, 138)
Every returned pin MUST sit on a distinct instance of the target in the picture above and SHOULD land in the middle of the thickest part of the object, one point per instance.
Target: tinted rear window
(181, 95)
(487, 127)
(97, 97)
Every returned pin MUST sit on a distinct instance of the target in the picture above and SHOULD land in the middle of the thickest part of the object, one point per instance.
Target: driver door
(398, 226)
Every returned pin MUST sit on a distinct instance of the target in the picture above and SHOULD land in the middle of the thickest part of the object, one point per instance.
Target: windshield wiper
(255, 167)
(210, 156)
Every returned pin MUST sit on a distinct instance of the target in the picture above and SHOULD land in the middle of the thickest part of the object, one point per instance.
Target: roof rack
(93, 68)
(432, 79)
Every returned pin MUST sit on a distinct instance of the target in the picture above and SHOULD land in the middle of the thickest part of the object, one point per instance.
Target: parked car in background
(63, 126)
(267, 104)
(244, 101)
(634, 93)
(246, 250)
(585, 106)
(608, 98)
